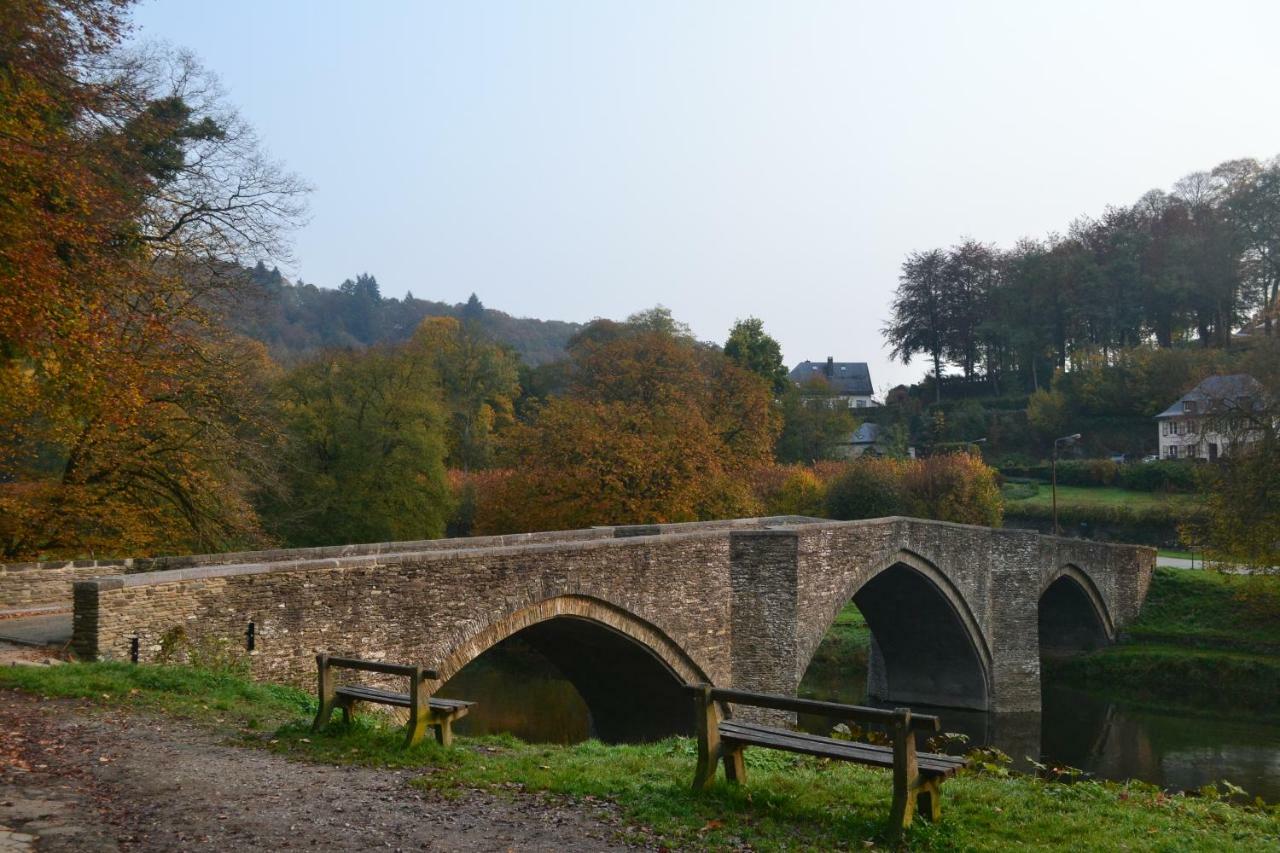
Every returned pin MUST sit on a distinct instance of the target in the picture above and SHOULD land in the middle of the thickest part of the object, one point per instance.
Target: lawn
(1040, 495)
(790, 802)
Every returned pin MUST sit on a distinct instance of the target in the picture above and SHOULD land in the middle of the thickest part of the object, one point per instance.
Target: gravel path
(76, 777)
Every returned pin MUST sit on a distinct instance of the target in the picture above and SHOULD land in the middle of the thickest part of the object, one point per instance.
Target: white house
(848, 383)
(1206, 421)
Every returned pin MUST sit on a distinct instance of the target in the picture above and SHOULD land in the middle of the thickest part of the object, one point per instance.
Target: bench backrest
(855, 713)
(415, 672)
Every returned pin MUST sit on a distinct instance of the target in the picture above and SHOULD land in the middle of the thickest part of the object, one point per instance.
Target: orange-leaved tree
(129, 195)
(653, 427)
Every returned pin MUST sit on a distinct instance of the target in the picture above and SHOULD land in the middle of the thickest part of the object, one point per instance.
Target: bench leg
(735, 769)
(906, 774)
(444, 732)
(929, 800)
(324, 693)
(707, 725)
(903, 809)
(416, 728)
(323, 715)
(347, 714)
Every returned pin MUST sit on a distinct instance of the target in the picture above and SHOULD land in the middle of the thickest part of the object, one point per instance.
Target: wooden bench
(917, 776)
(424, 711)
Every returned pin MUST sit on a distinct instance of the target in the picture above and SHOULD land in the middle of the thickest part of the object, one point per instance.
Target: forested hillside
(298, 319)
(1198, 266)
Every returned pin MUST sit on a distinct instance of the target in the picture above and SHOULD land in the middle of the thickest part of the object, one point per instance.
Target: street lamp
(1065, 441)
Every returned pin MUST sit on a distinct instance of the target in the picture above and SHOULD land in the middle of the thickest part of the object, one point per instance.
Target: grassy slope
(847, 640)
(1095, 496)
(1203, 640)
(790, 802)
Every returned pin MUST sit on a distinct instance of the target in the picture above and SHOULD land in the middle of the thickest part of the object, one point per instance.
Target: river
(520, 692)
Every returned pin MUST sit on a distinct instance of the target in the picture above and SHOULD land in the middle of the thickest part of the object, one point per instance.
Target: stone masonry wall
(44, 584)
(420, 606)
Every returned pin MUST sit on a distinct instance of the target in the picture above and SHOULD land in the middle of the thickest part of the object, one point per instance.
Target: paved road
(52, 629)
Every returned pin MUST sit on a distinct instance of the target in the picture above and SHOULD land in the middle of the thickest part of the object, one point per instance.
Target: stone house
(1208, 420)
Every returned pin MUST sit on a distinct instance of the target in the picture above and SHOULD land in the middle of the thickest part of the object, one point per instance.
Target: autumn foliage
(130, 423)
(653, 427)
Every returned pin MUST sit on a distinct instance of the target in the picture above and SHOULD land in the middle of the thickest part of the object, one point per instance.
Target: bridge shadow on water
(568, 679)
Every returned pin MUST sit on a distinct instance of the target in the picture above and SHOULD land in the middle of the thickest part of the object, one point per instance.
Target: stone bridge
(958, 614)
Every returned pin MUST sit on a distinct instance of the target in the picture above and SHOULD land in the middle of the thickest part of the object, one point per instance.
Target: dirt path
(77, 777)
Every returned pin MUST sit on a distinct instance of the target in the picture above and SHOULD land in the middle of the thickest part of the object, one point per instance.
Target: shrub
(867, 488)
(957, 487)
(1159, 477)
(802, 493)
(1088, 472)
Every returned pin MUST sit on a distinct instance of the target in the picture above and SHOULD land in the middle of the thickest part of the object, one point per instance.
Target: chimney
(830, 367)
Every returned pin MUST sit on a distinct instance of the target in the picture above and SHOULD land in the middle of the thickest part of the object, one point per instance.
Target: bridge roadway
(958, 614)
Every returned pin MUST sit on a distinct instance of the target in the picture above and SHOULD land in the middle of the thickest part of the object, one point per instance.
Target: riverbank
(1204, 642)
(790, 802)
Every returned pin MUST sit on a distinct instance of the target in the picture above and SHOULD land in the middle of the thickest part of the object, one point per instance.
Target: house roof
(1218, 393)
(868, 433)
(847, 378)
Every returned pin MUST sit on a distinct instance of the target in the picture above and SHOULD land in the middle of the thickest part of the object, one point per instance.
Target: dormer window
(1189, 407)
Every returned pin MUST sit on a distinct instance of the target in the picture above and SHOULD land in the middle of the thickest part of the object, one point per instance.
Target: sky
(572, 160)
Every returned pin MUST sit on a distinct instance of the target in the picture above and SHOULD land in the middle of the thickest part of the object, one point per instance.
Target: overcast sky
(573, 160)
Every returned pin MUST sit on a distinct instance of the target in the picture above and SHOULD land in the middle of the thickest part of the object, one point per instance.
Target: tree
(1242, 526)
(919, 321)
(365, 450)
(129, 192)
(812, 430)
(480, 381)
(651, 427)
(971, 274)
(473, 311)
(750, 348)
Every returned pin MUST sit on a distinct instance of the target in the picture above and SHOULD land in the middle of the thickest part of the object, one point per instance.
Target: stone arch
(927, 646)
(627, 670)
(1072, 614)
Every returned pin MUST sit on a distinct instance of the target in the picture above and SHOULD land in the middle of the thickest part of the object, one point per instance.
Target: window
(1189, 406)
(1164, 427)
(1171, 452)
(862, 404)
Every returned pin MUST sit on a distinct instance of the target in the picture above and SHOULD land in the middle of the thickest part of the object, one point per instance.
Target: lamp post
(1065, 441)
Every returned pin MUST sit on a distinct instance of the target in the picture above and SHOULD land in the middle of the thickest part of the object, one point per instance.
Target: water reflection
(521, 692)
(1100, 736)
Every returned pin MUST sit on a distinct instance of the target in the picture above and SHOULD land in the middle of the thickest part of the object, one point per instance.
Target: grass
(1040, 495)
(846, 641)
(224, 697)
(1204, 641)
(789, 802)
(1211, 610)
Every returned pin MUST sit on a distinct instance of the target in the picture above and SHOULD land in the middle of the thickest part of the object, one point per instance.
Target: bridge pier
(764, 617)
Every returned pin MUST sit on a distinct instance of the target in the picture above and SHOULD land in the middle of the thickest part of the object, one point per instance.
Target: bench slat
(919, 722)
(378, 666)
(930, 765)
(401, 700)
(937, 757)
